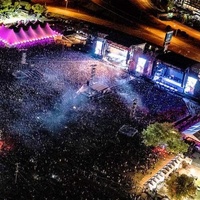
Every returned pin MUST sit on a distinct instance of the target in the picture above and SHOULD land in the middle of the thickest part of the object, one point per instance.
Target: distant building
(191, 5)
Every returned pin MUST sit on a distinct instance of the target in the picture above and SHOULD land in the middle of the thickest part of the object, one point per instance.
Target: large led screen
(190, 85)
(98, 48)
(140, 65)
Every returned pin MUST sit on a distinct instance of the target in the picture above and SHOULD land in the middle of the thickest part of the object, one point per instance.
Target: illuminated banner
(167, 40)
(168, 37)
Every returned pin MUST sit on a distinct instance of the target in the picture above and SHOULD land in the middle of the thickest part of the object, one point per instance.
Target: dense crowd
(67, 146)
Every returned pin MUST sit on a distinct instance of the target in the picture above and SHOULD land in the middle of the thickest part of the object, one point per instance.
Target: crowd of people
(67, 146)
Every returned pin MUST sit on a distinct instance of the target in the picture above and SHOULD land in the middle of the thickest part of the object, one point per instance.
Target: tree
(28, 7)
(17, 5)
(5, 3)
(164, 134)
(180, 187)
(39, 9)
(25, 5)
(170, 5)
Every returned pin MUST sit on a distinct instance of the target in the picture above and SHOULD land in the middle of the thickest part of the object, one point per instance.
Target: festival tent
(24, 34)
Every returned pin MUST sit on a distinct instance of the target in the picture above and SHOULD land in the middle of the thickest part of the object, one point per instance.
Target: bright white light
(140, 65)
(190, 85)
(98, 48)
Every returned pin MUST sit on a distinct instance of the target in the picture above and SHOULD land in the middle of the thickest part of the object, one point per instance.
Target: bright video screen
(140, 65)
(190, 85)
(98, 48)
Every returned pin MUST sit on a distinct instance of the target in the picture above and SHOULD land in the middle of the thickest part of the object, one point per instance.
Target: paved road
(148, 33)
(156, 27)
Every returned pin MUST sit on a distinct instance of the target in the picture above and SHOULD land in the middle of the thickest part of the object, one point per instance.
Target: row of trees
(7, 6)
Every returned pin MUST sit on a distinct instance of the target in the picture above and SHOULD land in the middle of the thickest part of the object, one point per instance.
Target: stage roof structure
(176, 60)
(127, 130)
(124, 40)
(98, 87)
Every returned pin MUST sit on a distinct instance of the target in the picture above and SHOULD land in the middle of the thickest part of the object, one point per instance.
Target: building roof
(197, 134)
(193, 131)
(176, 60)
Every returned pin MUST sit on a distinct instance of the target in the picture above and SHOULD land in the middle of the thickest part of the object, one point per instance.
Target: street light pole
(66, 3)
(16, 172)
